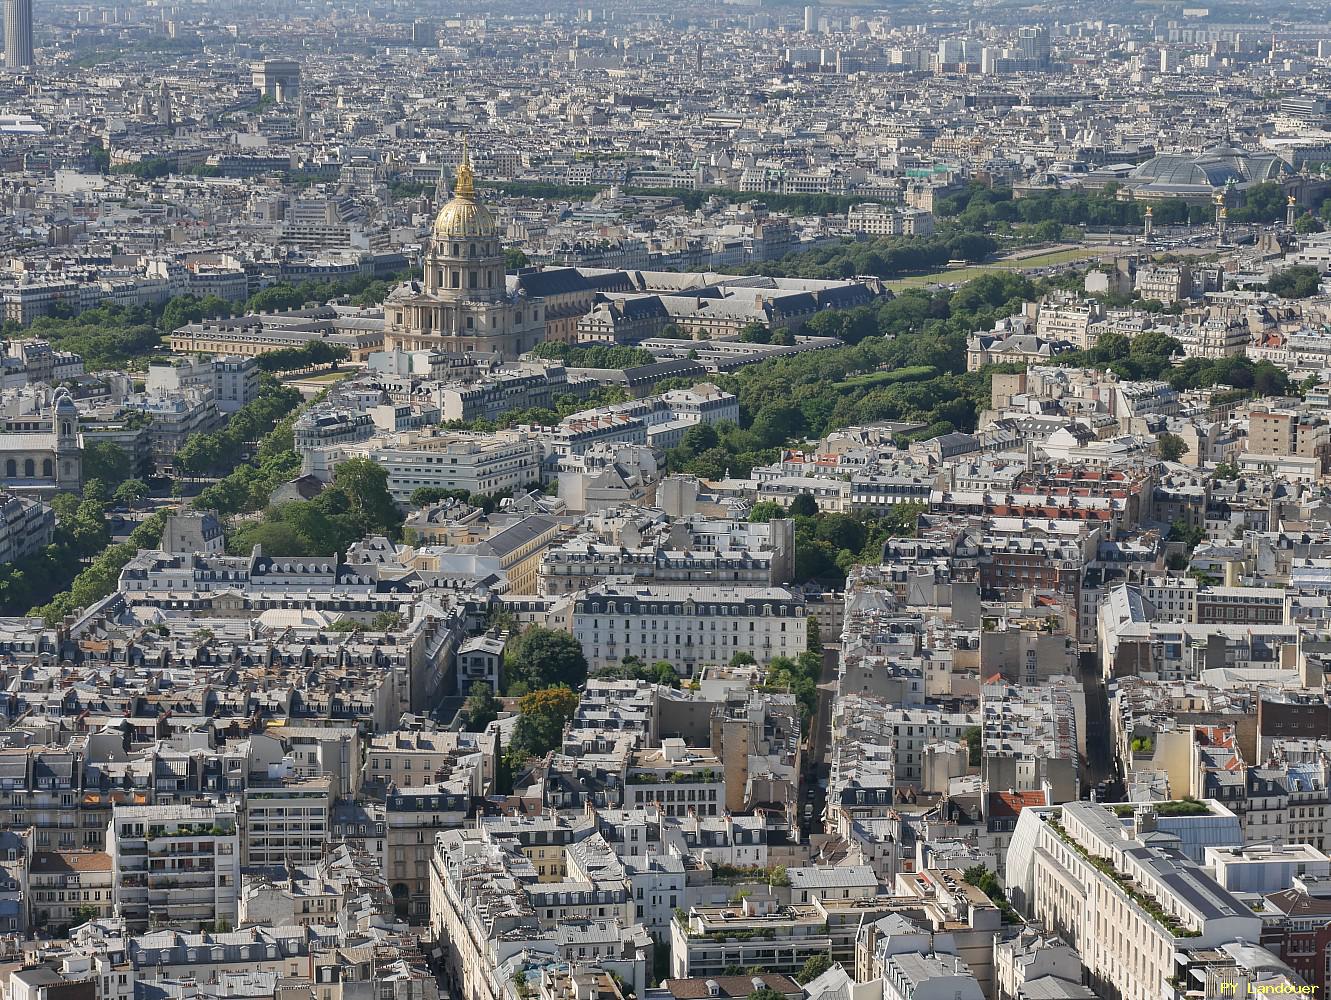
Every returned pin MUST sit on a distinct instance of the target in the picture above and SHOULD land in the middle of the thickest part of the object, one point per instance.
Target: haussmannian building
(687, 626)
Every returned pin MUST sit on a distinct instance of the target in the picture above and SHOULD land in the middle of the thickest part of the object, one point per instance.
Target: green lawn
(322, 377)
(907, 374)
(1059, 257)
(956, 275)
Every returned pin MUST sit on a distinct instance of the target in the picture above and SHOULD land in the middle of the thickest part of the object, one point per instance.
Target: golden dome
(462, 217)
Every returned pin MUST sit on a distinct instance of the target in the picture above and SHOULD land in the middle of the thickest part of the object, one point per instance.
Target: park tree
(699, 438)
(841, 531)
(1154, 344)
(1308, 223)
(765, 510)
(364, 482)
(481, 707)
(541, 658)
(1190, 536)
(804, 505)
(105, 461)
(130, 491)
(1298, 282)
(754, 333)
(541, 719)
(1171, 447)
(777, 423)
(814, 966)
(278, 538)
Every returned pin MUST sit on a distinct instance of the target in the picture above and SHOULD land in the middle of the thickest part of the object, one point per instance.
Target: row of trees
(795, 204)
(101, 576)
(225, 448)
(80, 534)
(116, 337)
(1298, 282)
(978, 208)
(290, 359)
(56, 582)
(1151, 356)
(885, 257)
(593, 355)
(248, 487)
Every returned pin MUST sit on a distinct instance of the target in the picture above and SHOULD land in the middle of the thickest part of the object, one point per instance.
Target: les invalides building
(463, 303)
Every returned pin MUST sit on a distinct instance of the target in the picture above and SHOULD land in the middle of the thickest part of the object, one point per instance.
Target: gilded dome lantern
(463, 218)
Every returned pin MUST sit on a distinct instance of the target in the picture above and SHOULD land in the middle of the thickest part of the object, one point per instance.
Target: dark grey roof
(554, 281)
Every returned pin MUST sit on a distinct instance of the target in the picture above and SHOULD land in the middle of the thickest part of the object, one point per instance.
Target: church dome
(463, 218)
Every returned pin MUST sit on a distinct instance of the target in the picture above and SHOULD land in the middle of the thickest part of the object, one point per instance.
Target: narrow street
(816, 769)
(1101, 765)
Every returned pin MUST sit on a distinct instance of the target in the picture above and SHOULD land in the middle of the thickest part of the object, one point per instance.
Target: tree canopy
(541, 658)
(541, 719)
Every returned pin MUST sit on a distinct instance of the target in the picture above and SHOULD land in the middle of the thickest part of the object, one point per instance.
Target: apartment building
(1289, 434)
(413, 757)
(234, 381)
(500, 392)
(677, 779)
(287, 822)
(688, 627)
(874, 219)
(487, 906)
(908, 731)
(582, 563)
(758, 931)
(413, 815)
(66, 888)
(477, 463)
(1069, 320)
(175, 865)
(1137, 904)
(26, 525)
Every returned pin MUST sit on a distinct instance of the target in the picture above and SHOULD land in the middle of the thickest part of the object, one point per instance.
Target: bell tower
(68, 441)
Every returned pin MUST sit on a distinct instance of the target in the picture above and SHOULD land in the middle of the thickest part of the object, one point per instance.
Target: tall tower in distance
(18, 34)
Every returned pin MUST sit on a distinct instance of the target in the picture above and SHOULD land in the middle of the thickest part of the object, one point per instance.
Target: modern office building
(18, 34)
